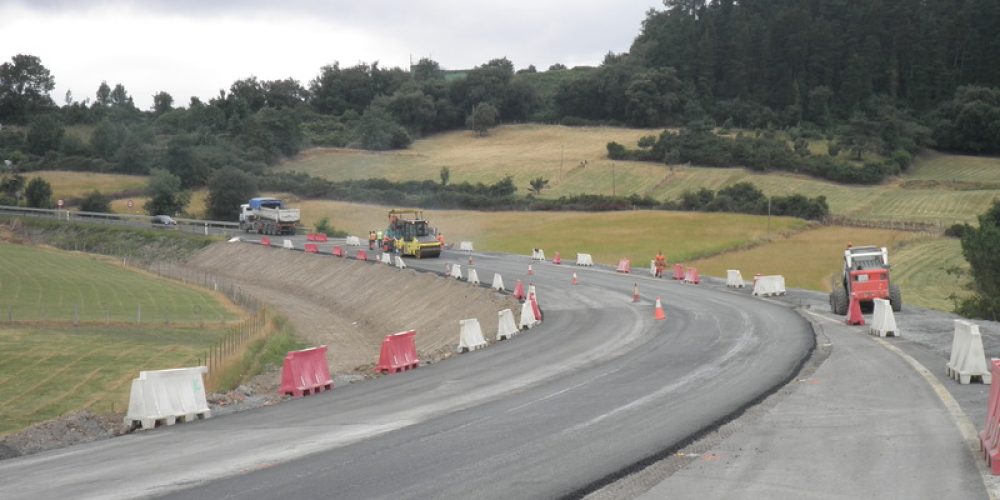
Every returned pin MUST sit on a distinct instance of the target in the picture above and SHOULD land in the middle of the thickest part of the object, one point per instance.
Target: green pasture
(38, 284)
(47, 372)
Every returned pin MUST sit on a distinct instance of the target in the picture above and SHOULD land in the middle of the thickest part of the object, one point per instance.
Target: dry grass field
(79, 184)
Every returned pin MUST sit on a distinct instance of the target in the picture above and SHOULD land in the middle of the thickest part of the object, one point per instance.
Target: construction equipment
(865, 277)
(411, 235)
(268, 216)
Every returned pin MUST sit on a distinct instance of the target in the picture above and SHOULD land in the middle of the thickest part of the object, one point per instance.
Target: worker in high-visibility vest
(371, 240)
(661, 263)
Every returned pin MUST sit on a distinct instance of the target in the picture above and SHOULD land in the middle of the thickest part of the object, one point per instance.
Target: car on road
(163, 221)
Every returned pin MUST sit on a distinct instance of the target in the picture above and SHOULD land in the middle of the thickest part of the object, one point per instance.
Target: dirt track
(351, 306)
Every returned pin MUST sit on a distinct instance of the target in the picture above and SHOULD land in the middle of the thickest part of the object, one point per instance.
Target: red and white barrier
(337, 251)
(691, 276)
(584, 259)
(519, 291)
(166, 396)
(968, 359)
(361, 255)
(734, 279)
(265, 241)
(287, 245)
(399, 353)
(465, 246)
(989, 437)
(883, 321)
(678, 272)
(557, 260)
(533, 299)
(386, 259)
(470, 335)
(311, 248)
(305, 372)
(527, 316)
(505, 325)
(497, 282)
(624, 266)
(537, 254)
(766, 286)
(353, 241)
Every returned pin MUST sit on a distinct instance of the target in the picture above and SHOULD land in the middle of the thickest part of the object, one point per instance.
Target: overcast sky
(194, 48)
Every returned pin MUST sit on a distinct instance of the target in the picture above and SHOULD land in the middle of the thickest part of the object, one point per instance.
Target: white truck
(268, 216)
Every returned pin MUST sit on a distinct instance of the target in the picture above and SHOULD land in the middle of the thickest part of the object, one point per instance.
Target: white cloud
(198, 48)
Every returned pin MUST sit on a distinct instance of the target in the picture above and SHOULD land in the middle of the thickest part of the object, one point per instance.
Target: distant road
(205, 227)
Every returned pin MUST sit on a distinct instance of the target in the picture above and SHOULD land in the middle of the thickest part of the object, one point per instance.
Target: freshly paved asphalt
(596, 389)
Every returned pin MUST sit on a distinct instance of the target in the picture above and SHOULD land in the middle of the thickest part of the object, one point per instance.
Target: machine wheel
(895, 298)
(838, 301)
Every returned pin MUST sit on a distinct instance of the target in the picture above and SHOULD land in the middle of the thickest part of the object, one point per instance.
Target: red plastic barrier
(337, 251)
(989, 438)
(624, 266)
(399, 353)
(311, 248)
(691, 275)
(306, 372)
(557, 260)
(321, 237)
(854, 316)
(265, 241)
(362, 255)
(310, 237)
(678, 272)
(519, 291)
(534, 307)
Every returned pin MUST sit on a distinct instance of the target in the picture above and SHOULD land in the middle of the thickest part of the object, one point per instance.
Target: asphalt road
(596, 389)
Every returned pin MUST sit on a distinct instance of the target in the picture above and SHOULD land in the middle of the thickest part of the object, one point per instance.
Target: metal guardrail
(205, 227)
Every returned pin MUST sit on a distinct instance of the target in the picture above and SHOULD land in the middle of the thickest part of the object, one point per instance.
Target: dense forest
(743, 83)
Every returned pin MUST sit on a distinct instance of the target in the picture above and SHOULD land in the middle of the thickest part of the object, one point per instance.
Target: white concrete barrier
(353, 241)
(399, 263)
(473, 276)
(734, 279)
(765, 286)
(465, 246)
(456, 271)
(505, 325)
(968, 358)
(386, 259)
(287, 245)
(167, 396)
(470, 335)
(527, 316)
(883, 321)
(537, 254)
(652, 267)
(497, 282)
(584, 259)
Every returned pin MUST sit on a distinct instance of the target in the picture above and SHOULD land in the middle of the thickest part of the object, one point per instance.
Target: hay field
(80, 184)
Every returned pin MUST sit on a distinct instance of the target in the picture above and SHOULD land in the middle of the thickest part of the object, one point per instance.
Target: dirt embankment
(351, 306)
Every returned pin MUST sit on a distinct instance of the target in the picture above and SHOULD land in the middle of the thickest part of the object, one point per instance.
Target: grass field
(79, 184)
(49, 285)
(941, 188)
(47, 372)
(922, 270)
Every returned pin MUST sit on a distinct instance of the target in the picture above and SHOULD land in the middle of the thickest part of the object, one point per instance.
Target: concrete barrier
(386, 259)
(883, 321)
(652, 267)
(968, 359)
(473, 277)
(305, 372)
(584, 259)
(766, 286)
(527, 316)
(465, 246)
(166, 396)
(399, 263)
(497, 282)
(505, 325)
(456, 271)
(353, 241)
(287, 245)
(470, 335)
(399, 353)
(734, 279)
(537, 254)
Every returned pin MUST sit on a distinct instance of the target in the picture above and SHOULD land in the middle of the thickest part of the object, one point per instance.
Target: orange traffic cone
(659, 314)
(635, 293)
(530, 271)
(854, 316)
(574, 279)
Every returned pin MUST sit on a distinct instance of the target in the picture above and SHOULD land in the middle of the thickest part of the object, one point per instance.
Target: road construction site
(730, 396)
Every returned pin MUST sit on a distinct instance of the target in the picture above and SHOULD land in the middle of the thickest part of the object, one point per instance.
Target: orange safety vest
(661, 261)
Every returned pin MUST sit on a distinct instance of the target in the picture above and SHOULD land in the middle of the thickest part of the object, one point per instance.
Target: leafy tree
(228, 187)
(287, 93)
(103, 95)
(38, 194)
(120, 98)
(538, 184)
(483, 117)
(165, 194)
(45, 134)
(162, 103)
(981, 247)
(557, 67)
(11, 188)
(377, 131)
(426, 70)
(97, 202)
(133, 156)
(445, 175)
(107, 138)
(181, 160)
(25, 85)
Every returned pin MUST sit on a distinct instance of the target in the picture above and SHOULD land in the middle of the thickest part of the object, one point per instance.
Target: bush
(956, 230)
